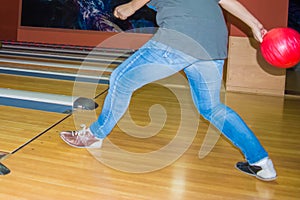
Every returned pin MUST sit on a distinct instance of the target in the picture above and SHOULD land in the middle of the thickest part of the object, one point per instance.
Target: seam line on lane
(49, 128)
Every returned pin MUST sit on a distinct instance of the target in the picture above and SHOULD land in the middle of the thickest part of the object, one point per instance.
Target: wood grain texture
(248, 72)
(19, 125)
(49, 169)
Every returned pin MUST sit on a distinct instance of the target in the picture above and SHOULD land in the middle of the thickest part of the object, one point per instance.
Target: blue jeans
(155, 61)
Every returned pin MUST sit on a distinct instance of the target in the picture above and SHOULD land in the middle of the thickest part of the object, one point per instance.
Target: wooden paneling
(82, 37)
(9, 19)
(248, 72)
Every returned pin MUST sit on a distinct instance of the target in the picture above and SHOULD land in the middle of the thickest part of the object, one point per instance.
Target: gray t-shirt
(196, 27)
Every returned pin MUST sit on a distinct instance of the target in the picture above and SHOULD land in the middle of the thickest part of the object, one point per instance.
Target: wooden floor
(25, 124)
(47, 168)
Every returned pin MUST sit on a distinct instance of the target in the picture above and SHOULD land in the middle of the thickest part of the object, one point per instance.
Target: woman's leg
(152, 62)
(205, 78)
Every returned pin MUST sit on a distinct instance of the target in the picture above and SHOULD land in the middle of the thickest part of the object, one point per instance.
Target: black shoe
(265, 172)
(4, 170)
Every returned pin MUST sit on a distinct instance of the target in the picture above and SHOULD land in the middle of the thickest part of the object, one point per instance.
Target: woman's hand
(259, 32)
(124, 11)
(238, 10)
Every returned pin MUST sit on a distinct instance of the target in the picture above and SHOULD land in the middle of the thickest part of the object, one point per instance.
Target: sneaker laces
(82, 132)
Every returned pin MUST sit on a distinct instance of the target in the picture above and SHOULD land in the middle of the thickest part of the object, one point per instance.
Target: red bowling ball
(281, 47)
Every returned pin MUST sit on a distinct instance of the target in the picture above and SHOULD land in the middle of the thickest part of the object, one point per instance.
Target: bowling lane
(18, 125)
(49, 74)
(53, 86)
(46, 94)
(63, 62)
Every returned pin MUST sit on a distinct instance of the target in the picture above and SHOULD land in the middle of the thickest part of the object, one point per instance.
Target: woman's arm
(126, 10)
(238, 10)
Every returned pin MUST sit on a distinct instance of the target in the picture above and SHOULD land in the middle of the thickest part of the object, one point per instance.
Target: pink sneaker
(81, 139)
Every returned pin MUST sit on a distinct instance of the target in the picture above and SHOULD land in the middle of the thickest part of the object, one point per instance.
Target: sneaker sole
(96, 145)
